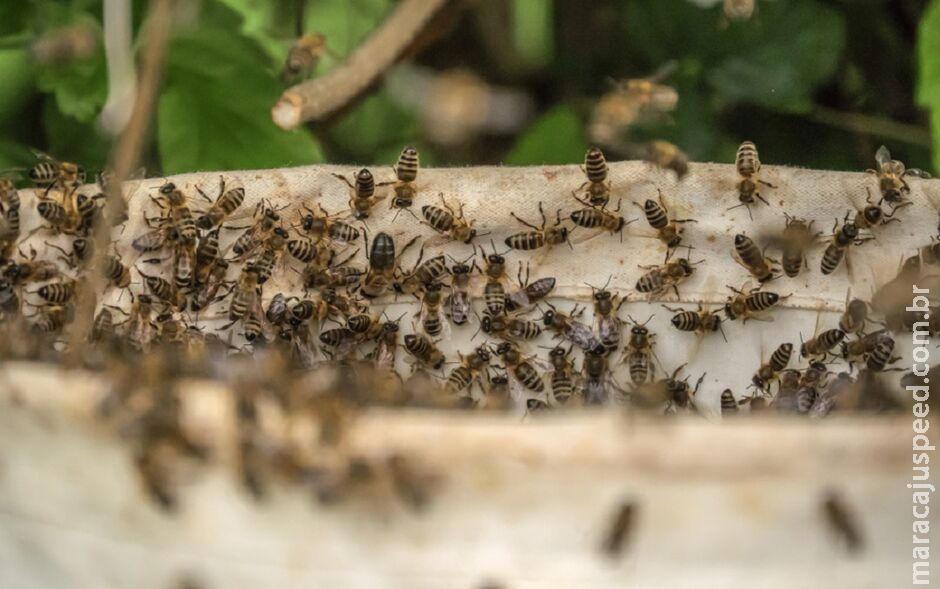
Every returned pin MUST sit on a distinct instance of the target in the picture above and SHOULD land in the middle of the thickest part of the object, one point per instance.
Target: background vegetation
(815, 83)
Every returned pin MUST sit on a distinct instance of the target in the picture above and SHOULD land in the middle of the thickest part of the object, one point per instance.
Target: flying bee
(842, 522)
(406, 172)
(609, 325)
(700, 321)
(522, 372)
(224, 205)
(659, 279)
(639, 352)
(839, 245)
(539, 236)
(529, 292)
(657, 215)
(595, 376)
(382, 264)
(668, 157)
(747, 163)
(890, 175)
(822, 343)
(457, 305)
(562, 379)
(592, 217)
(424, 351)
(472, 367)
(363, 193)
(304, 56)
(747, 305)
(321, 224)
(873, 215)
(567, 326)
(431, 315)
(797, 237)
(422, 274)
(750, 256)
(450, 223)
(266, 220)
(50, 173)
(598, 184)
(768, 371)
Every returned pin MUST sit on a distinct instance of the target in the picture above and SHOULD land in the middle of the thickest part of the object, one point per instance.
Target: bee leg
(345, 179)
(527, 224)
(767, 184)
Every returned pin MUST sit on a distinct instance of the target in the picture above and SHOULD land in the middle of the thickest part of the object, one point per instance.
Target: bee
(116, 272)
(872, 215)
(207, 255)
(309, 251)
(660, 279)
(431, 316)
(170, 330)
(568, 327)
(747, 163)
(769, 370)
(56, 215)
(457, 305)
(155, 239)
(58, 293)
(838, 246)
(890, 175)
(87, 209)
(522, 371)
(321, 224)
(10, 201)
(164, 290)
(598, 184)
(304, 55)
(729, 406)
(472, 367)
(382, 265)
(880, 355)
(278, 309)
(266, 220)
(342, 303)
(750, 256)
(406, 172)
(103, 327)
(854, 317)
(50, 173)
(629, 102)
(700, 321)
(424, 351)
(529, 292)
(595, 376)
(609, 325)
(621, 524)
(178, 216)
(224, 205)
(140, 331)
(822, 343)
(668, 157)
(562, 377)
(210, 283)
(639, 352)
(592, 217)
(494, 294)
(510, 328)
(363, 193)
(746, 305)
(657, 215)
(797, 237)
(422, 274)
(271, 251)
(679, 393)
(539, 236)
(842, 522)
(52, 318)
(30, 269)
(446, 221)
(244, 295)
(338, 337)
(739, 10)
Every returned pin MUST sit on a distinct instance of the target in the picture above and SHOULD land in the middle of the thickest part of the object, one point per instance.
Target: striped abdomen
(595, 166)
(529, 377)
(656, 214)
(365, 184)
(526, 240)
(781, 357)
(639, 363)
(407, 168)
(746, 161)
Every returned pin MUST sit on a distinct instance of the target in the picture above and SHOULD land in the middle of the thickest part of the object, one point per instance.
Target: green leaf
(74, 140)
(557, 137)
(16, 89)
(214, 112)
(928, 80)
(376, 127)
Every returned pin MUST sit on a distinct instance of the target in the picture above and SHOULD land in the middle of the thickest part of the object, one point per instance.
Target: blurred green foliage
(818, 83)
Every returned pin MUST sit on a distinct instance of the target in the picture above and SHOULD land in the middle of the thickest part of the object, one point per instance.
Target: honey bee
(266, 220)
(747, 305)
(539, 236)
(855, 316)
(679, 393)
(822, 343)
(472, 368)
(700, 321)
(524, 376)
(363, 193)
(890, 175)
(750, 256)
(657, 215)
(271, 251)
(639, 352)
(728, 404)
(382, 265)
(621, 525)
(50, 173)
(164, 290)
(668, 157)
(139, 330)
(406, 172)
(58, 293)
(592, 217)
(510, 328)
(30, 269)
(568, 327)
(207, 255)
(457, 305)
(244, 296)
(609, 325)
(595, 376)
(839, 245)
(598, 184)
(629, 102)
(310, 252)
(431, 315)
(494, 294)
(424, 351)
(52, 318)
(446, 221)
(769, 370)
(879, 357)
(422, 274)
(842, 522)
(116, 272)
(321, 224)
(797, 237)
(304, 56)
(747, 164)
(562, 378)
(873, 215)
(224, 205)
(529, 292)
(660, 279)
(177, 214)
(209, 285)
(863, 345)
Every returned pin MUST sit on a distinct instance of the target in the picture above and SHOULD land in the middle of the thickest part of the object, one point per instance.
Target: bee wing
(582, 336)
(882, 156)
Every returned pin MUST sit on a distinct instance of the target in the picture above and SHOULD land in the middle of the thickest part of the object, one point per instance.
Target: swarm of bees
(203, 286)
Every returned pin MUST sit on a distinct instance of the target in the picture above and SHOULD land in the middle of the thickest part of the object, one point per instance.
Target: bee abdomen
(437, 218)
(685, 320)
(529, 377)
(747, 161)
(656, 215)
(728, 404)
(761, 301)
(526, 241)
(781, 357)
(494, 296)
(595, 165)
(365, 184)
(587, 217)
(407, 169)
(831, 259)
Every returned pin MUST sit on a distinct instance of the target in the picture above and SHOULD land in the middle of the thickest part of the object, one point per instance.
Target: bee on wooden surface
(170, 329)
(406, 172)
(679, 393)
(338, 336)
(209, 285)
(472, 368)
(727, 403)
(539, 236)
(592, 217)
(821, 344)
(700, 321)
(244, 295)
(842, 522)
(879, 357)
(510, 328)
(457, 305)
(747, 305)
(750, 256)
(639, 352)
(103, 327)
(422, 274)
(797, 237)
(657, 215)
(266, 220)
(207, 255)
(304, 55)
(768, 371)
(659, 279)
(562, 378)
(620, 527)
(424, 351)
(363, 193)
(523, 374)
(450, 223)
(58, 293)
(318, 225)
(139, 330)
(598, 184)
(431, 315)
(839, 245)
(494, 294)
(176, 213)
(567, 326)
(307, 311)
(873, 215)
(596, 379)
(890, 175)
(50, 173)
(529, 292)
(309, 251)
(271, 251)
(609, 325)
(222, 207)
(386, 345)
(51, 318)
(855, 316)
(56, 215)
(668, 157)
(383, 262)
(747, 163)
(116, 272)
(164, 290)
(30, 269)
(278, 309)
